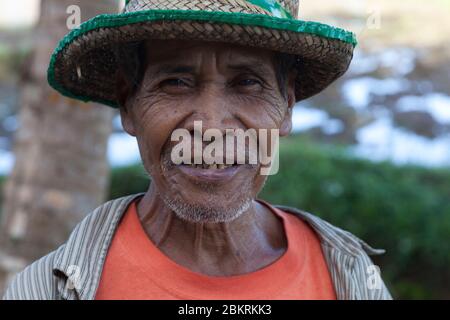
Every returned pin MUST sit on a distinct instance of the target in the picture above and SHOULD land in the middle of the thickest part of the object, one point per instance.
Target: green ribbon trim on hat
(272, 6)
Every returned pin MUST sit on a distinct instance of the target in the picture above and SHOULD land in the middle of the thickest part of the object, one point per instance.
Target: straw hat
(83, 64)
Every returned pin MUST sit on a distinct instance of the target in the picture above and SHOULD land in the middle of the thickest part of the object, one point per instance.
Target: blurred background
(370, 154)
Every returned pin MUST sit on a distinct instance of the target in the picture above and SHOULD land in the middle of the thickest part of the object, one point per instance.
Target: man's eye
(175, 82)
(248, 82)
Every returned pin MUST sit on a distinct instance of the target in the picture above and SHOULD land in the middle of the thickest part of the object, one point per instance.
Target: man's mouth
(218, 166)
(209, 172)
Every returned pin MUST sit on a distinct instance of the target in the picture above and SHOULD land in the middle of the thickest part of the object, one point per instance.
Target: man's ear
(123, 92)
(286, 125)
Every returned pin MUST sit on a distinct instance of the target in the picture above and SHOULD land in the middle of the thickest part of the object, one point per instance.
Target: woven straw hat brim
(83, 65)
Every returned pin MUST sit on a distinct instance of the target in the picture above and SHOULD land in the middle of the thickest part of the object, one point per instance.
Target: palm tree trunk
(61, 171)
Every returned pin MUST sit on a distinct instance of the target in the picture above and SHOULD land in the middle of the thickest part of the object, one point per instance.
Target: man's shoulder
(35, 282)
(354, 274)
(86, 241)
(333, 236)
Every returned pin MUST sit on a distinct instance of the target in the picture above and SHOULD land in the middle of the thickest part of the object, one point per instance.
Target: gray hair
(131, 62)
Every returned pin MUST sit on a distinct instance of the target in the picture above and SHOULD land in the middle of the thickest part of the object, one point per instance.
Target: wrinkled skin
(226, 87)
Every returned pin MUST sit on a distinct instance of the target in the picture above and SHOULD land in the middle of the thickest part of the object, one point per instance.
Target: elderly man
(199, 232)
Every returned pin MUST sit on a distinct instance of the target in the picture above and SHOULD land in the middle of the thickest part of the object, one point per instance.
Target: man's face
(223, 86)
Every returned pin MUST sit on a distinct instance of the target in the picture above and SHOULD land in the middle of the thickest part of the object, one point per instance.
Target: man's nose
(213, 111)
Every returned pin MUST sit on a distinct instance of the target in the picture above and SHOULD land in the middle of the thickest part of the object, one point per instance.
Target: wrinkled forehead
(194, 51)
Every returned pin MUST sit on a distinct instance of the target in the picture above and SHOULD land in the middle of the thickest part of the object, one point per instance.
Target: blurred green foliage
(128, 180)
(11, 62)
(405, 210)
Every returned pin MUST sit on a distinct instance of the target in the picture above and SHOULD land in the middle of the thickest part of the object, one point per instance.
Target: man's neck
(250, 242)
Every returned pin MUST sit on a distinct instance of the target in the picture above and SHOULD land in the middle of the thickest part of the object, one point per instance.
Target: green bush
(405, 210)
(127, 180)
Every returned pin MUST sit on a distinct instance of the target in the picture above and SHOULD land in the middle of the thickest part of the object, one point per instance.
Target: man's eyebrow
(257, 67)
(165, 69)
(260, 69)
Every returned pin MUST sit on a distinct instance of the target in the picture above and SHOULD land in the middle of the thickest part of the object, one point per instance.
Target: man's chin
(209, 211)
